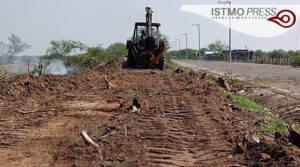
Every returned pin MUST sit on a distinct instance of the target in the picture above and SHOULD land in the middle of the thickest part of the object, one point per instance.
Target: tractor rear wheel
(161, 64)
(130, 61)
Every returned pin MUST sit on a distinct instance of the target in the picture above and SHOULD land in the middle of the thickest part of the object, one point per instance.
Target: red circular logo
(285, 18)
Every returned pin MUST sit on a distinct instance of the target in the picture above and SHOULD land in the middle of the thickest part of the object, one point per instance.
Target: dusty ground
(181, 120)
(276, 87)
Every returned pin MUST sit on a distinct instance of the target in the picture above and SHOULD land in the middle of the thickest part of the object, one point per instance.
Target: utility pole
(28, 71)
(178, 47)
(175, 45)
(186, 40)
(175, 48)
(198, 26)
(229, 3)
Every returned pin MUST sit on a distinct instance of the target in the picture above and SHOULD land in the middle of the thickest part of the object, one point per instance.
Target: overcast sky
(93, 22)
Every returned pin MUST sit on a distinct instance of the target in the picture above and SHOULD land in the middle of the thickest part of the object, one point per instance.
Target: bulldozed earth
(136, 117)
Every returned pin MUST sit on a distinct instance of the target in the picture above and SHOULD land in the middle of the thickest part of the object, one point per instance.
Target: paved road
(244, 70)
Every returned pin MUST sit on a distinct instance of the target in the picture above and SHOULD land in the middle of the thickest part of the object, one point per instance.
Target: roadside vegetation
(78, 54)
(268, 121)
(98, 55)
(296, 62)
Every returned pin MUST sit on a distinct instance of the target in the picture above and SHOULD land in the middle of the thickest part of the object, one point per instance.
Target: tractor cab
(146, 38)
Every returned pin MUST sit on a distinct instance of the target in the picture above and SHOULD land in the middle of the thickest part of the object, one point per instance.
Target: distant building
(237, 55)
(245, 55)
(211, 55)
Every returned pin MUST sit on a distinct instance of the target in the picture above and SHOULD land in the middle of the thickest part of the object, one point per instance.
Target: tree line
(219, 48)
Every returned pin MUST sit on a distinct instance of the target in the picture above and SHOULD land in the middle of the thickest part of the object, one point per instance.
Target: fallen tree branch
(88, 139)
(238, 165)
(109, 85)
(113, 132)
(125, 128)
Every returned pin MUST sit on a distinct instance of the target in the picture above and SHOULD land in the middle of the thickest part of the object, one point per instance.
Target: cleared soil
(275, 87)
(138, 117)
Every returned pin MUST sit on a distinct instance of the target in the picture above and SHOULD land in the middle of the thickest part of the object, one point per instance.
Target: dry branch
(4, 74)
(109, 84)
(125, 128)
(237, 165)
(113, 132)
(88, 139)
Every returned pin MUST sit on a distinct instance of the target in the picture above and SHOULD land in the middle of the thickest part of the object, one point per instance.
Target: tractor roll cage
(141, 24)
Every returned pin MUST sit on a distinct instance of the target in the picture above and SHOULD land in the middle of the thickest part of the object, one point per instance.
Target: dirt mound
(268, 154)
(193, 73)
(24, 86)
(110, 67)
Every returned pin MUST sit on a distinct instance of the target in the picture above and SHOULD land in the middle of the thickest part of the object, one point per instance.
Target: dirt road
(138, 117)
(279, 86)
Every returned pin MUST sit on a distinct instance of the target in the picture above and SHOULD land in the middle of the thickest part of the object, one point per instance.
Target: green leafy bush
(98, 55)
(296, 62)
(168, 56)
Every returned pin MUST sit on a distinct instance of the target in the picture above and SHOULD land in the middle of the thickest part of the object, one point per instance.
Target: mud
(181, 120)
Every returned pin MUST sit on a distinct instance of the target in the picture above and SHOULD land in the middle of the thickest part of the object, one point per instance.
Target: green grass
(232, 80)
(248, 105)
(225, 94)
(274, 123)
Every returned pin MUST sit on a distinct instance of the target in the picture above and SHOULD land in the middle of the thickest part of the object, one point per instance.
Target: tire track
(184, 135)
